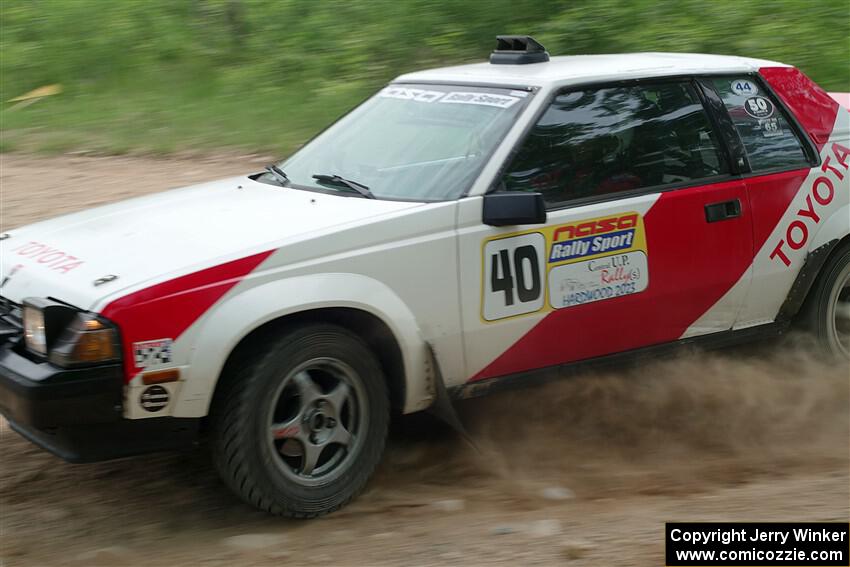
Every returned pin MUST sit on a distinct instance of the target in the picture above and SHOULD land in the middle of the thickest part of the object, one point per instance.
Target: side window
(769, 139)
(601, 141)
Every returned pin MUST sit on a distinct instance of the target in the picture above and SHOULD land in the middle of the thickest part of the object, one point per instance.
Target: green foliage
(162, 75)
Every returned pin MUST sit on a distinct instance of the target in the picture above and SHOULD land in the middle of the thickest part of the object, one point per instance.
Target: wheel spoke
(338, 396)
(310, 456)
(290, 429)
(340, 435)
(307, 388)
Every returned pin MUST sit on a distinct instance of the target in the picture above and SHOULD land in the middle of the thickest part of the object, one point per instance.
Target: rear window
(769, 139)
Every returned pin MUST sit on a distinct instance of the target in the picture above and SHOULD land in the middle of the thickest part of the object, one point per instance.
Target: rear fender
(835, 227)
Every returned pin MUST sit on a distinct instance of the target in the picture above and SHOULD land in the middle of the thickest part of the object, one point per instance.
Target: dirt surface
(584, 471)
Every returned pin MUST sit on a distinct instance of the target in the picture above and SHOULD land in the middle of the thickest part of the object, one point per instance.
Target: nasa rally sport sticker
(154, 398)
(758, 107)
(743, 87)
(570, 264)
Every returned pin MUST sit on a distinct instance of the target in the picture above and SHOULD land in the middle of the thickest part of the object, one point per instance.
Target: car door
(782, 174)
(647, 230)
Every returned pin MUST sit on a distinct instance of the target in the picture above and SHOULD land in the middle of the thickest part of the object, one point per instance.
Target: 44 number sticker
(513, 276)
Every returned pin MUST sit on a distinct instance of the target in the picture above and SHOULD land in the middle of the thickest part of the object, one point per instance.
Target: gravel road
(580, 472)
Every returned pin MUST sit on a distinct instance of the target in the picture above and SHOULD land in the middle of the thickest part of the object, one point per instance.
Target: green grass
(160, 122)
(161, 76)
(7, 145)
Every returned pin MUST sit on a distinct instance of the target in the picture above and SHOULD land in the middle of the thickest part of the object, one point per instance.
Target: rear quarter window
(770, 140)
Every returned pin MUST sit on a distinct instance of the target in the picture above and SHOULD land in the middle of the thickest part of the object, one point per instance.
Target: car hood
(177, 232)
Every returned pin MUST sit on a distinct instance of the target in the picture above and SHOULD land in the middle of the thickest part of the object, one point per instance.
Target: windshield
(411, 142)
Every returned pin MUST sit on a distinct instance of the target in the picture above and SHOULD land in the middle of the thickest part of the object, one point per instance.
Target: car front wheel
(300, 429)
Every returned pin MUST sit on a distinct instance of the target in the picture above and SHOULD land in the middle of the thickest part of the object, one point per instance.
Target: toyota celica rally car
(463, 227)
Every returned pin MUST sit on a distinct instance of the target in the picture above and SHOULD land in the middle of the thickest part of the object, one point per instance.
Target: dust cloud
(664, 427)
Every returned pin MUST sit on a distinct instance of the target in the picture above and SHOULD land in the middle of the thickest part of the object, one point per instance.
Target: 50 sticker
(758, 107)
(513, 276)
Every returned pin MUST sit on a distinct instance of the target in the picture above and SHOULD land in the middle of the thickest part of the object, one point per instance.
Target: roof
(583, 68)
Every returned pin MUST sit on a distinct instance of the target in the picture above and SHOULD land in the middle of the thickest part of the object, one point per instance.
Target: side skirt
(541, 375)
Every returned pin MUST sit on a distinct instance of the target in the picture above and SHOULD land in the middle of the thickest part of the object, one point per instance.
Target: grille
(11, 320)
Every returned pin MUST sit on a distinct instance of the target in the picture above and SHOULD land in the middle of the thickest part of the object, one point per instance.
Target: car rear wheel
(299, 431)
(827, 309)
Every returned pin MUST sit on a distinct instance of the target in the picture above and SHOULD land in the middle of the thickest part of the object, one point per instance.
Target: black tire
(825, 312)
(294, 379)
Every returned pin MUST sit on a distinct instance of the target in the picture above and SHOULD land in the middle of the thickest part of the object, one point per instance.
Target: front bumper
(42, 395)
(77, 414)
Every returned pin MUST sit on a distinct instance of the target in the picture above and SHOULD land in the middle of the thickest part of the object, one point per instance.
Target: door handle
(723, 211)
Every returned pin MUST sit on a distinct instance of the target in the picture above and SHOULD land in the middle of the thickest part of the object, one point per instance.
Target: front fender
(237, 315)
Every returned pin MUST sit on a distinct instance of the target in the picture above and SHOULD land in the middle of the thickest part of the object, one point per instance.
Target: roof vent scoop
(518, 50)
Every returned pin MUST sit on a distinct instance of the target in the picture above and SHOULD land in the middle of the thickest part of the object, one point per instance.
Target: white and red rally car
(464, 226)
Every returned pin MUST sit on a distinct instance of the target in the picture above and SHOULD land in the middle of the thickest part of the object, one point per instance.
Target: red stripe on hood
(167, 309)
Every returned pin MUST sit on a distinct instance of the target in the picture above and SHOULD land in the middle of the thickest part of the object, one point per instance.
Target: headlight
(66, 336)
(35, 334)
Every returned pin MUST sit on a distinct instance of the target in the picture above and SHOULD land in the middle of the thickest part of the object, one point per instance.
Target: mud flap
(442, 408)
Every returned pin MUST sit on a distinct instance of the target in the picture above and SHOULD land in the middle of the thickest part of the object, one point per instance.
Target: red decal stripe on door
(682, 286)
(167, 309)
(629, 322)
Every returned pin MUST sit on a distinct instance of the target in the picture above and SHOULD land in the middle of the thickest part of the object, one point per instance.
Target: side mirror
(509, 208)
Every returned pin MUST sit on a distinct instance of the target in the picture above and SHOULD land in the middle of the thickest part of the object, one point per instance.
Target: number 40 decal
(513, 276)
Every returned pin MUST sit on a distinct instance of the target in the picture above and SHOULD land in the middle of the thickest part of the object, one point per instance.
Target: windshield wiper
(278, 174)
(337, 180)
